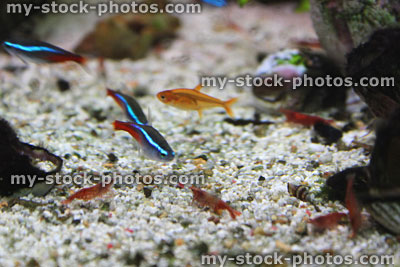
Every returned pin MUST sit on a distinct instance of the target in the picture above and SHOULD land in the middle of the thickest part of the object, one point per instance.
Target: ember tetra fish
(193, 99)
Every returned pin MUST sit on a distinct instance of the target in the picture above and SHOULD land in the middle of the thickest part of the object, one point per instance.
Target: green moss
(303, 6)
(343, 25)
(324, 193)
(363, 22)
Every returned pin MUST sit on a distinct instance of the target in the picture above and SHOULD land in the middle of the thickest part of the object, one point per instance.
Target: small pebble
(63, 85)
(315, 148)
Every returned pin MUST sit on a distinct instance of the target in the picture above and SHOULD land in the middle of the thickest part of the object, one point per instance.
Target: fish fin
(200, 113)
(86, 69)
(149, 118)
(127, 127)
(110, 92)
(82, 61)
(198, 87)
(136, 147)
(23, 60)
(115, 125)
(227, 105)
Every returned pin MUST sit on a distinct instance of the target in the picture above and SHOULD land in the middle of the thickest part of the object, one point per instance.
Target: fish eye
(163, 97)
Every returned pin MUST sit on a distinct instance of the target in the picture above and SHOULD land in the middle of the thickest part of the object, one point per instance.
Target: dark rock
(112, 158)
(224, 163)
(63, 85)
(378, 59)
(349, 126)
(328, 132)
(342, 25)
(243, 122)
(377, 186)
(134, 260)
(201, 248)
(16, 160)
(147, 192)
(202, 156)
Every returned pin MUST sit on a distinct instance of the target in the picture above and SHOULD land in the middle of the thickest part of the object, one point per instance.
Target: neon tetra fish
(193, 99)
(152, 143)
(130, 106)
(40, 52)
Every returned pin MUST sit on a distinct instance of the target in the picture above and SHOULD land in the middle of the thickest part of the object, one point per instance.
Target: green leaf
(242, 2)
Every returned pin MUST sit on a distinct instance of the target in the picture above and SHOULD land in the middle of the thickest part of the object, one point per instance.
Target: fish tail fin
(129, 127)
(110, 92)
(82, 60)
(121, 125)
(228, 104)
(118, 125)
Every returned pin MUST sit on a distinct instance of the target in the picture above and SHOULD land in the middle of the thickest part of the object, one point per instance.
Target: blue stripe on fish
(130, 106)
(40, 52)
(151, 140)
(131, 114)
(217, 3)
(32, 48)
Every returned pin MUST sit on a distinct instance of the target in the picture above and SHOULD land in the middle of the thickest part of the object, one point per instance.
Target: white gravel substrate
(166, 228)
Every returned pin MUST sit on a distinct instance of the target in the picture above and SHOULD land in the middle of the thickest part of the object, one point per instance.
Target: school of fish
(155, 147)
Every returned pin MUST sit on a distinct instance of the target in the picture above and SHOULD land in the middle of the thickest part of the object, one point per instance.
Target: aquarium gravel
(247, 166)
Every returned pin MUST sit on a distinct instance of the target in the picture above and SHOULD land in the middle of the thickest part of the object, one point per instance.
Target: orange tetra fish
(193, 99)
